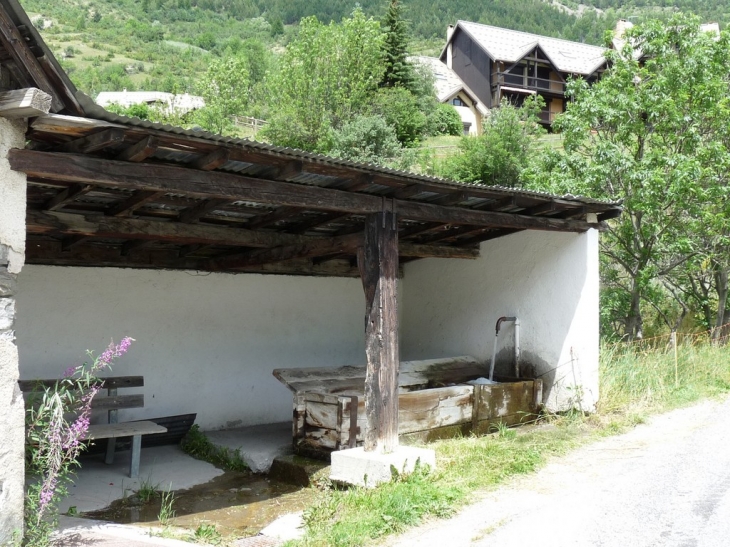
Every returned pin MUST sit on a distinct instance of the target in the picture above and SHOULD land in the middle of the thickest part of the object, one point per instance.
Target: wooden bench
(112, 403)
(329, 407)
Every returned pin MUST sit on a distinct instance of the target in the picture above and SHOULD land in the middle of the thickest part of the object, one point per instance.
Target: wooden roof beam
(43, 251)
(194, 214)
(131, 204)
(214, 160)
(25, 59)
(66, 196)
(319, 247)
(272, 217)
(93, 143)
(139, 151)
(290, 170)
(218, 185)
(320, 220)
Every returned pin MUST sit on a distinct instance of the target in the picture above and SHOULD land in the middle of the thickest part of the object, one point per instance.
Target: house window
(467, 127)
(456, 101)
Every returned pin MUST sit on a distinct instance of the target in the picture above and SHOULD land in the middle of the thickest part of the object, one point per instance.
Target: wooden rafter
(131, 204)
(281, 244)
(66, 195)
(139, 151)
(25, 59)
(95, 142)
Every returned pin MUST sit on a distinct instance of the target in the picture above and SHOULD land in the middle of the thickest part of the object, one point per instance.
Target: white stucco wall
(12, 257)
(208, 343)
(204, 343)
(548, 280)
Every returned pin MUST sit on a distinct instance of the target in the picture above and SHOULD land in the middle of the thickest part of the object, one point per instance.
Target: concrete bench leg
(110, 445)
(136, 449)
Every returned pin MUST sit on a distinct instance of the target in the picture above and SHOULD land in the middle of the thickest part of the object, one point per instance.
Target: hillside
(165, 44)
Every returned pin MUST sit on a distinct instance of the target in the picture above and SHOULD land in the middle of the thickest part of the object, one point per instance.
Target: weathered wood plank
(119, 401)
(213, 160)
(215, 184)
(112, 382)
(24, 103)
(378, 264)
(130, 205)
(202, 209)
(127, 429)
(66, 196)
(413, 375)
(72, 126)
(94, 142)
(139, 151)
(44, 251)
(506, 399)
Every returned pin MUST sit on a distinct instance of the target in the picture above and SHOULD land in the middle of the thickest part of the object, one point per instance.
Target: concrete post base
(360, 468)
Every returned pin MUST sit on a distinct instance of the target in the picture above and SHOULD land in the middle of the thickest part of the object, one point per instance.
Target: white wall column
(12, 257)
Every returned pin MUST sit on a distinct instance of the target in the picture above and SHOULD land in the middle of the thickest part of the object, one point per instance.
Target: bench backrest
(413, 375)
(111, 402)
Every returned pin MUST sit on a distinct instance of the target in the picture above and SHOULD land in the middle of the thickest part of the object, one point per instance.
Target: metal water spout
(501, 320)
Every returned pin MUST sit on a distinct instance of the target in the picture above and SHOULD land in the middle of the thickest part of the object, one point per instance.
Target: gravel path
(665, 483)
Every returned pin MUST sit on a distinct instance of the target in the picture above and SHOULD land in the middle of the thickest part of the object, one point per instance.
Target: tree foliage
(398, 71)
(504, 150)
(370, 139)
(652, 133)
(226, 89)
(328, 76)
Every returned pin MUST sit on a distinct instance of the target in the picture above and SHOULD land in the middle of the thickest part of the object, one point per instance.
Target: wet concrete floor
(239, 504)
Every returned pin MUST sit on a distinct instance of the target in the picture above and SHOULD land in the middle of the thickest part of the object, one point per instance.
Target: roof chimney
(449, 51)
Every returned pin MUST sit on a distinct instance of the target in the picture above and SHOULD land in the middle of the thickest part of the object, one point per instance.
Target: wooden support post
(378, 264)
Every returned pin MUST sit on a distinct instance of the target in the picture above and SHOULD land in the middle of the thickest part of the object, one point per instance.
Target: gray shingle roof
(512, 45)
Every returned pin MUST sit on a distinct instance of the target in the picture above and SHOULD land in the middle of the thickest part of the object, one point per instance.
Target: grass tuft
(196, 444)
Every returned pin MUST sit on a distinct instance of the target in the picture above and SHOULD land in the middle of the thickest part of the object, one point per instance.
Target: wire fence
(718, 336)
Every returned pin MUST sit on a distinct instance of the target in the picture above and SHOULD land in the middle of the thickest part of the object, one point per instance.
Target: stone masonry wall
(12, 257)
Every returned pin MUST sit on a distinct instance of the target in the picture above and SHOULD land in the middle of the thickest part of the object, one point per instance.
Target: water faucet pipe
(497, 328)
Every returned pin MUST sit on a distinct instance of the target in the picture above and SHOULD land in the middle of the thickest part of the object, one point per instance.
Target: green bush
(401, 110)
(368, 139)
(444, 120)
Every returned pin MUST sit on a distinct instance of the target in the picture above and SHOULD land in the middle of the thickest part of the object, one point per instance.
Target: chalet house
(450, 89)
(497, 63)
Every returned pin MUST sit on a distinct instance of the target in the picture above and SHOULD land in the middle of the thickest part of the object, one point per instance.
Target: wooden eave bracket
(24, 103)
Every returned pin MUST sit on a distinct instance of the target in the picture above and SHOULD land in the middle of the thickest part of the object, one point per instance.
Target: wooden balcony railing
(528, 82)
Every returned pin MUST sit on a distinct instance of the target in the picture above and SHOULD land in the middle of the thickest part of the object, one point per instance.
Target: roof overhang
(106, 190)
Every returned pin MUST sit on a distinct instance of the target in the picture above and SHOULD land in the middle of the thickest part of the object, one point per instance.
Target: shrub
(444, 120)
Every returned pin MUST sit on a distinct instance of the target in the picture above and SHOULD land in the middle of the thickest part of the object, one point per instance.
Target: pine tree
(398, 71)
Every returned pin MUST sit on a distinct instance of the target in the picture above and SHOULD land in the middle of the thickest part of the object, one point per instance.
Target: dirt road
(665, 483)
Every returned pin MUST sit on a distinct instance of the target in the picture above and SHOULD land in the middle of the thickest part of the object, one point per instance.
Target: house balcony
(527, 84)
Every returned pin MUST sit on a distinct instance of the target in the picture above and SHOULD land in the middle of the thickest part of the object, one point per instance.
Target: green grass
(199, 446)
(634, 383)
(643, 375)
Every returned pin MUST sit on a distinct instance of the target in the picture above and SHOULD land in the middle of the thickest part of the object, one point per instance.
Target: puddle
(239, 504)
